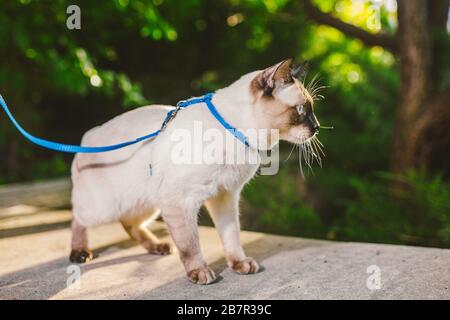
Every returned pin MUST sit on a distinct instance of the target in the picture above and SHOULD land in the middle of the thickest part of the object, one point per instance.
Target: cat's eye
(301, 109)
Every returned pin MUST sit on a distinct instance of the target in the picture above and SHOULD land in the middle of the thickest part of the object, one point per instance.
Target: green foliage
(56, 167)
(419, 216)
(285, 210)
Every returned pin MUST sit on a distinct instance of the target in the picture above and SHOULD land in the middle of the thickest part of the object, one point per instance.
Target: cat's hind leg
(80, 252)
(138, 229)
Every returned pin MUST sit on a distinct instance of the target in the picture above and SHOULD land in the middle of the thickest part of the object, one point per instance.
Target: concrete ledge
(50, 193)
(34, 265)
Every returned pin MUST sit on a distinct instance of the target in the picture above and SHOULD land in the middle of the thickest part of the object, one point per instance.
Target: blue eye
(300, 109)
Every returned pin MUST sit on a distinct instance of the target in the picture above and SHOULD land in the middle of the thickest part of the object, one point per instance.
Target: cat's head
(282, 102)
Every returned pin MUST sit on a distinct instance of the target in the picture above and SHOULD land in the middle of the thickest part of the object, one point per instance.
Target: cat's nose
(315, 127)
(314, 123)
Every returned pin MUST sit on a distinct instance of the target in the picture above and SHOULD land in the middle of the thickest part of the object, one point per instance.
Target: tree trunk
(414, 51)
(423, 111)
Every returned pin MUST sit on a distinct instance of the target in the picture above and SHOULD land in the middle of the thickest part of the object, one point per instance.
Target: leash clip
(182, 104)
(170, 116)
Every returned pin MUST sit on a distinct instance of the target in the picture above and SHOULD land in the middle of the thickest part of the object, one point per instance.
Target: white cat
(135, 184)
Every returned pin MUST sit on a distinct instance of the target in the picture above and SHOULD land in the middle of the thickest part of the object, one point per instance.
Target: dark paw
(160, 249)
(81, 256)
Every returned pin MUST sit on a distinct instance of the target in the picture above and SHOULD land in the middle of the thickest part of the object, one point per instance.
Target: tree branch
(369, 39)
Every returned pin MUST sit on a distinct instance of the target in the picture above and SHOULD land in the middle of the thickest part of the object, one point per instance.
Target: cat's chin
(299, 140)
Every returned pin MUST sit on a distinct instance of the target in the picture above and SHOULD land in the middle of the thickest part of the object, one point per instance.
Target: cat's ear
(275, 75)
(299, 70)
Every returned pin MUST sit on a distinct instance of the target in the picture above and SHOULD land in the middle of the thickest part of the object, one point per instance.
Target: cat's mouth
(312, 136)
(304, 137)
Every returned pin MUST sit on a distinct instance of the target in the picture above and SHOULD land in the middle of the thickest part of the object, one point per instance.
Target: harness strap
(235, 132)
(169, 116)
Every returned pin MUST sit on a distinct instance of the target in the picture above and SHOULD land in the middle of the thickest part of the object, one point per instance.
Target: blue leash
(170, 115)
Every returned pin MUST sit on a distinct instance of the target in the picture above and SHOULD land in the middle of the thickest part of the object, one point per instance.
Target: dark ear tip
(305, 65)
(299, 70)
(291, 61)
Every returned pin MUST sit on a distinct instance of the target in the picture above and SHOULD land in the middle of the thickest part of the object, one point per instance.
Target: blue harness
(170, 115)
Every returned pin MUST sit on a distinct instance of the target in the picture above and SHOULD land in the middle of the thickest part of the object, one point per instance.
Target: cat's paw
(203, 275)
(160, 249)
(246, 266)
(81, 256)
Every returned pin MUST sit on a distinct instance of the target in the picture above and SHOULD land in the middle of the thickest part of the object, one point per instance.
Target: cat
(136, 184)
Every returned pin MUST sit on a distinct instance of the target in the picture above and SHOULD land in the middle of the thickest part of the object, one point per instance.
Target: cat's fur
(117, 186)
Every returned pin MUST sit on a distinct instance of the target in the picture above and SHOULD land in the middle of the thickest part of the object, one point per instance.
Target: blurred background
(385, 63)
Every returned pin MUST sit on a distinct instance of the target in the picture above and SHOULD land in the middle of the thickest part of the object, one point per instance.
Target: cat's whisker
(319, 142)
(319, 145)
(317, 89)
(300, 156)
(314, 155)
(310, 151)
(317, 153)
(304, 77)
(312, 82)
(320, 97)
(313, 148)
(319, 150)
(314, 88)
(303, 154)
(307, 155)
(290, 153)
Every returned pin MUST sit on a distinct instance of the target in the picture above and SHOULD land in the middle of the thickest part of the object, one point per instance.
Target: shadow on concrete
(52, 275)
(260, 249)
(22, 284)
(46, 280)
(20, 231)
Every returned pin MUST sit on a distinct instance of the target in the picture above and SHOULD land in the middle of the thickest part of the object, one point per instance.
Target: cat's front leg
(183, 228)
(224, 210)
